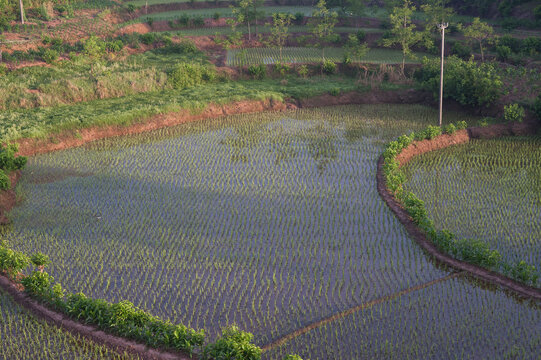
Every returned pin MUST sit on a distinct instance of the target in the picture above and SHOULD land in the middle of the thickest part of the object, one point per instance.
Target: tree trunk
(22, 11)
(482, 54)
(249, 33)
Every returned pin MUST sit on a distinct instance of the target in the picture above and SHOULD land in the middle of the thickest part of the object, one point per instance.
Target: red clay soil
(421, 147)
(28, 147)
(420, 237)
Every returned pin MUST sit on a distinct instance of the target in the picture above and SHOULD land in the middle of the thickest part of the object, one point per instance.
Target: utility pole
(22, 11)
(442, 27)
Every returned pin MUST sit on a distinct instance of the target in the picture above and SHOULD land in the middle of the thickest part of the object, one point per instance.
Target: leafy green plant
(513, 113)
(40, 260)
(449, 129)
(328, 67)
(258, 71)
(465, 81)
(303, 71)
(37, 283)
(50, 56)
(12, 262)
(234, 344)
(8, 160)
(536, 107)
(186, 75)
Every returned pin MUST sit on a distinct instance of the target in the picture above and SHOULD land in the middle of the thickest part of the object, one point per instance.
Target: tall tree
(256, 13)
(243, 13)
(280, 30)
(403, 31)
(479, 31)
(436, 12)
(322, 24)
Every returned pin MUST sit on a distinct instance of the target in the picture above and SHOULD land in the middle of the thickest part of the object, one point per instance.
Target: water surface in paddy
(268, 221)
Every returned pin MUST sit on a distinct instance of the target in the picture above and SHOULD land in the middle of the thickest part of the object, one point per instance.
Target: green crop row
(470, 250)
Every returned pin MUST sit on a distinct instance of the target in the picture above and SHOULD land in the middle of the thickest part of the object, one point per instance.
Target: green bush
(38, 283)
(449, 129)
(303, 71)
(537, 12)
(50, 56)
(184, 20)
(124, 319)
(298, 18)
(361, 36)
(3, 69)
(415, 207)
(40, 260)
(513, 113)
(186, 75)
(5, 183)
(234, 344)
(536, 108)
(476, 252)
(467, 82)
(461, 125)
(334, 91)
(198, 21)
(12, 262)
(461, 50)
(258, 71)
(503, 52)
(328, 67)
(523, 272)
(8, 160)
(216, 16)
(281, 68)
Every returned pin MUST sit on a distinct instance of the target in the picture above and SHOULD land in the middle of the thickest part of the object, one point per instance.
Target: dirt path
(352, 310)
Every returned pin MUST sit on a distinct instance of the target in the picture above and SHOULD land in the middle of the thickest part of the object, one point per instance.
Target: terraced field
(270, 221)
(488, 190)
(256, 56)
(223, 30)
(24, 337)
(224, 12)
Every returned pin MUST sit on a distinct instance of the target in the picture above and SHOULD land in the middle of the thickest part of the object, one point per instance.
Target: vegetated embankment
(439, 142)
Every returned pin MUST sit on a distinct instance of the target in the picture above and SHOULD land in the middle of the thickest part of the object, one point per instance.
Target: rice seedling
(208, 31)
(224, 12)
(256, 56)
(24, 337)
(488, 190)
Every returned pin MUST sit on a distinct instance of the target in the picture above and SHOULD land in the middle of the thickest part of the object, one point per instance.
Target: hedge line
(470, 250)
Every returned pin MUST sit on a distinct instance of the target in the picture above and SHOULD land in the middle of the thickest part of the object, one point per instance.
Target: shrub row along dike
(50, 303)
(412, 214)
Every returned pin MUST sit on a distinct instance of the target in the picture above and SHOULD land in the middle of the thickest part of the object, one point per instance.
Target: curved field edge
(59, 138)
(91, 333)
(415, 230)
(43, 307)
